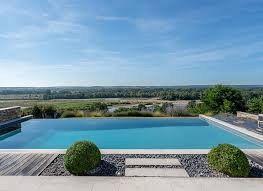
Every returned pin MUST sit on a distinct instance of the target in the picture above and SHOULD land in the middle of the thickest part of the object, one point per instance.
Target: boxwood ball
(229, 160)
(82, 157)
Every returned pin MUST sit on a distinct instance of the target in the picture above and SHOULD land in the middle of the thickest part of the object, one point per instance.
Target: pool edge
(234, 127)
(123, 151)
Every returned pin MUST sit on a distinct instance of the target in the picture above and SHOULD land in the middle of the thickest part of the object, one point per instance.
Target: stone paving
(156, 172)
(128, 184)
(158, 167)
(152, 161)
(249, 124)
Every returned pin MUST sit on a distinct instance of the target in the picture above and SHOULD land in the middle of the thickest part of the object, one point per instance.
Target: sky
(130, 42)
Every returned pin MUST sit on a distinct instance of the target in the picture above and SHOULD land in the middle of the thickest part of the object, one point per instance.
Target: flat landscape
(131, 95)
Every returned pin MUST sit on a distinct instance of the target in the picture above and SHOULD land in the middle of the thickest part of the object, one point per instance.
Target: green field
(59, 104)
(78, 104)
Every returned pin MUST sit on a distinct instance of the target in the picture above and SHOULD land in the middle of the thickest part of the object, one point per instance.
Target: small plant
(82, 157)
(71, 114)
(229, 160)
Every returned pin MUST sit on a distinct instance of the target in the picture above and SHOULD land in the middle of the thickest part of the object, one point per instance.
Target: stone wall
(247, 115)
(10, 113)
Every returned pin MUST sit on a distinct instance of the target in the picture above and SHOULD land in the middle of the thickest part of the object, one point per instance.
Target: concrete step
(151, 161)
(156, 172)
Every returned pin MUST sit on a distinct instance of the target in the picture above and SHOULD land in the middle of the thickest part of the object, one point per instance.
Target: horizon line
(255, 85)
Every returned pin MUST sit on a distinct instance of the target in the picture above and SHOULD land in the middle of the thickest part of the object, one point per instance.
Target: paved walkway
(256, 156)
(152, 167)
(127, 184)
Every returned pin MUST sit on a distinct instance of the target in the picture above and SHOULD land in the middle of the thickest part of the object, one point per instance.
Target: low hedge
(229, 160)
(82, 157)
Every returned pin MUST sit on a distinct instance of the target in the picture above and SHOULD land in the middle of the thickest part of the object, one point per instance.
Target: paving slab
(156, 172)
(151, 161)
(34, 183)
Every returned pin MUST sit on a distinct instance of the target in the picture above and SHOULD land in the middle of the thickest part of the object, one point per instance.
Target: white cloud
(143, 24)
(155, 25)
(112, 18)
(60, 19)
(100, 51)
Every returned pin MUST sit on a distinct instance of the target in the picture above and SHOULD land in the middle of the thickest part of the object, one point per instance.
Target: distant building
(177, 106)
(150, 108)
(116, 107)
(180, 106)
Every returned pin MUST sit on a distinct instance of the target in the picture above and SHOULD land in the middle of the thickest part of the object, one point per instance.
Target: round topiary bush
(229, 160)
(81, 157)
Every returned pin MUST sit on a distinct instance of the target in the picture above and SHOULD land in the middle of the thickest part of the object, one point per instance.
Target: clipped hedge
(82, 157)
(229, 160)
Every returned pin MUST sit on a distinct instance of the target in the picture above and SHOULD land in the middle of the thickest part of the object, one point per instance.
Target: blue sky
(130, 42)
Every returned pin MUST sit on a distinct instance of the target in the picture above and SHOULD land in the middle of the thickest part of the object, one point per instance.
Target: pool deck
(23, 162)
(246, 123)
(239, 129)
(34, 183)
(88, 183)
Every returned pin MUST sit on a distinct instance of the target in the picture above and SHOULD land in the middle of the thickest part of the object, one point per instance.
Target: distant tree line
(216, 99)
(165, 93)
(213, 99)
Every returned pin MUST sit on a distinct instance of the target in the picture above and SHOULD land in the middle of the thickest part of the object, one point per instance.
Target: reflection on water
(10, 131)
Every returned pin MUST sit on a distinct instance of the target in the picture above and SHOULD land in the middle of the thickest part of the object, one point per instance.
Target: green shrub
(197, 108)
(36, 111)
(44, 111)
(229, 160)
(221, 98)
(81, 157)
(49, 111)
(255, 105)
(182, 114)
(71, 114)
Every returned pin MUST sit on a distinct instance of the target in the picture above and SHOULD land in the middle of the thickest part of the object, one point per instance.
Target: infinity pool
(124, 133)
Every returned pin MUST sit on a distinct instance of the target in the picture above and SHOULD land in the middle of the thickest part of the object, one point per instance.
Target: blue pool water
(142, 133)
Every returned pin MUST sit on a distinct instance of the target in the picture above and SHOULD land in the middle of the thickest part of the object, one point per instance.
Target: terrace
(244, 120)
(125, 167)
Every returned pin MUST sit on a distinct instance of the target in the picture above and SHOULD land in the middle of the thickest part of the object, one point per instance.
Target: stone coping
(123, 151)
(7, 108)
(15, 121)
(126, 117)
(234, 127)
(247, 115)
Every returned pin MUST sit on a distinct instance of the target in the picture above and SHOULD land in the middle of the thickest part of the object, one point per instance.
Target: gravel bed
(114, 165)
